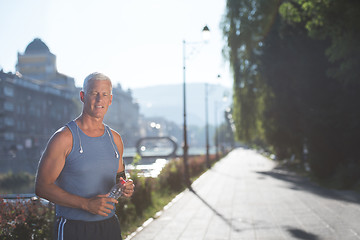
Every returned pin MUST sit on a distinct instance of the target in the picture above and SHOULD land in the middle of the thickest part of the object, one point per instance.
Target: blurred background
(282, 76)
(49, 47)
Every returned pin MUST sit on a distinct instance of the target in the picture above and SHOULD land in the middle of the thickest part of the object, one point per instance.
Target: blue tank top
(89, 173)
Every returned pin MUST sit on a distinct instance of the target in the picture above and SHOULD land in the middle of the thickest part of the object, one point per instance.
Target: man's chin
(97, 115)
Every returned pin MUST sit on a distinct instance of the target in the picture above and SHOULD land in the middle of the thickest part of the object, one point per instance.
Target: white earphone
(81, 149)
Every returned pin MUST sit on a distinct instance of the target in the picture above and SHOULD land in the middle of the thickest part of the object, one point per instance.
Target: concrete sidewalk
(243, 197)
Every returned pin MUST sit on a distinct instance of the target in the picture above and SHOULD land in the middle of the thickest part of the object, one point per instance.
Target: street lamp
(207, 122)
(206, 35)
(207, 126)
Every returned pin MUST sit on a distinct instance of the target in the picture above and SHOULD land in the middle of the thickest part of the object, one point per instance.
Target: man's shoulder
(61, 139)
(116, 135)
(114, 131)
(63, 134)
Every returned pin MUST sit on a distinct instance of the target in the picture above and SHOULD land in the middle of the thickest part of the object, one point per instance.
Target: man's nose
(98, 97)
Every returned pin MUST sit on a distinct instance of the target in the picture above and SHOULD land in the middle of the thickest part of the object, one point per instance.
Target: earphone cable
(77, 130)
(116, 153)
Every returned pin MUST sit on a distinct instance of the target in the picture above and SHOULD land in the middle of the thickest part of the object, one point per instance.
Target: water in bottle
(117, 190)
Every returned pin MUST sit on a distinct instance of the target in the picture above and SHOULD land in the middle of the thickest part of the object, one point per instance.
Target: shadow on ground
(250, 225)
(217, 213)
(300, 234)
(303, 184)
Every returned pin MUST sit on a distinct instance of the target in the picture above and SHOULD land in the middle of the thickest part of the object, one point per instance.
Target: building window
(9, 121)
(8, 91)
(10, 136)
(9, 106)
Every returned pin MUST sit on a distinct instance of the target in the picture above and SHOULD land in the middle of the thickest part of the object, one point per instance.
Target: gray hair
(95, 76)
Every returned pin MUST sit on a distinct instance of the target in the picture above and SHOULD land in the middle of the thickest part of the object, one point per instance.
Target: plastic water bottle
(117, 190)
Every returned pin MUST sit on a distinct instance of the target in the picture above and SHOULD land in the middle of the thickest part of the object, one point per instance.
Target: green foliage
(13, 180)
(289, 11)
(293, 66)
(296, 67)
(171, 177)
(131, 211)
(142, 196)
(136, 159)
(245, 25)
(337, 20)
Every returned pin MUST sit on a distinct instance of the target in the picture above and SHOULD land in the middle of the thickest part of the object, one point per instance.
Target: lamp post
(207, 126)
(207, 123)
(217, 130)
(206, 32)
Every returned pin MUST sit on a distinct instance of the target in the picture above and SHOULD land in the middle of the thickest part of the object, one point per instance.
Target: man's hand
(128, 188)
(100, 205)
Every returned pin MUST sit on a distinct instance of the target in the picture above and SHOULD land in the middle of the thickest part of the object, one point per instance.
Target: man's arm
(51, 164)
(129, 186)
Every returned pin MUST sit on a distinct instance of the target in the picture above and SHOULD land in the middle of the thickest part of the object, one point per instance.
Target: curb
(157, 215)
(174, 200)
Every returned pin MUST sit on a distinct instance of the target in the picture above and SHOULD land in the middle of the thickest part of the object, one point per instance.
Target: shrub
(125, 210)
(26, 219)
(171, 177)
(31, 219)
(197, 165)
(141, 197)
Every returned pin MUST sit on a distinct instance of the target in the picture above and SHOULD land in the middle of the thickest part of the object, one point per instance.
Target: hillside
(167, 101)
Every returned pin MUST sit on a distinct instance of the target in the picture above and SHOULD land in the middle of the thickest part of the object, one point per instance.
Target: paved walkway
(244, 197)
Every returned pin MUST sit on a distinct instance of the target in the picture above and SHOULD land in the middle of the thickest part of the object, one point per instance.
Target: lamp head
(206, 33)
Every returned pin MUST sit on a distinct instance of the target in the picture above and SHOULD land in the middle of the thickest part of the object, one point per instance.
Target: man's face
(97, 99)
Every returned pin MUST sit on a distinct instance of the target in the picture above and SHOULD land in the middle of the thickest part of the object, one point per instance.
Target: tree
(244, 26)
(296, 79)
(300, 93)
(335, 21)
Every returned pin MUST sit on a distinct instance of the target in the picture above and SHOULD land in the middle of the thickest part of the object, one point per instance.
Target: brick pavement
(244, 197)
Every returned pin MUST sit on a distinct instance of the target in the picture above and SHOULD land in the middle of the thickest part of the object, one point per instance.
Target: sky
(136, 43)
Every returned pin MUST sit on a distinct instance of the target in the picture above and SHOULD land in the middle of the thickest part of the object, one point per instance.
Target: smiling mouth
(99, 106)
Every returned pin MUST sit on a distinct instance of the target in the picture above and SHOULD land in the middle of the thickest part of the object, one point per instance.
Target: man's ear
(82, 95)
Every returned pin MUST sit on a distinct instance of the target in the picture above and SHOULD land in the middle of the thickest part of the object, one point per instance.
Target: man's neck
(90, 125)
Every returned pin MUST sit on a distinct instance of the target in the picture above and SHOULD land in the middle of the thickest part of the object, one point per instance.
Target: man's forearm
(57, 195)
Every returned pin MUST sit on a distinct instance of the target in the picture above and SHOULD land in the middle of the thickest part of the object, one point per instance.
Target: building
(37, 100)
(30, 112)
(39, 63)
(123, 116)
